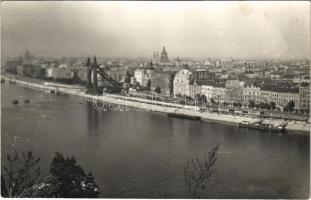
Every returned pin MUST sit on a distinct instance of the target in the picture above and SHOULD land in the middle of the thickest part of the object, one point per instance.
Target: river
(142, 154)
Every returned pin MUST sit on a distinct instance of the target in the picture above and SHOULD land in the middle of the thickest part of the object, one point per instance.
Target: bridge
(93, 72)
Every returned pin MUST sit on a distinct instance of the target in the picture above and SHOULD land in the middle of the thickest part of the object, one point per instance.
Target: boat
(26, 101)
(244, 124)
(261, 126)
(15, 102)
(183, 116)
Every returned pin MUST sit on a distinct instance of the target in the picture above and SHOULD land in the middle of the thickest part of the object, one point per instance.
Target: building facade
(219, 94)
(182, 81)
(234, 91)
(207, 91)
(187, 82)
(163, 80)
(304, 96)
(251, 93)
(281, 99)
(143, 77)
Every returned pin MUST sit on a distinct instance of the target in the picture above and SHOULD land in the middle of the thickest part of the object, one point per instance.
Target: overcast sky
(136, 29)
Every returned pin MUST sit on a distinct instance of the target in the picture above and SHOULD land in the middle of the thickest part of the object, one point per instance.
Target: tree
(290, 106)
(212, 100)
(66, 179)
(197, 172)
(267, 106)
(203, 100)
(178, 95)
(74, 182)
(20, 175)
(251, 103)
(157, 90)
(272, 105)
(197, 97)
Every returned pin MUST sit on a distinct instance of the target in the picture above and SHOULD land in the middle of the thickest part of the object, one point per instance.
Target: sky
(135, 29)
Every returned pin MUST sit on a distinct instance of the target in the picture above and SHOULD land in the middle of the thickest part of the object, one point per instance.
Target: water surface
(142, 154)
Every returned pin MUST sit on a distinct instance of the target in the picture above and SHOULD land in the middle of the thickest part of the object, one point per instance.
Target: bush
(66, 179)
(74, 182)
(197, 173)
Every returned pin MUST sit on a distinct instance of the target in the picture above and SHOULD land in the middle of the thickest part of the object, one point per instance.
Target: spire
(163, 51)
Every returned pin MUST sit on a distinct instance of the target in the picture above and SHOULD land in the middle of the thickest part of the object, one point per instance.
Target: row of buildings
(225, 81)
(191, 83)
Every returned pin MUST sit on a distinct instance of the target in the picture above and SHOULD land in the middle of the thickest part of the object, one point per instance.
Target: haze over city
(136, 29)
(155, 100)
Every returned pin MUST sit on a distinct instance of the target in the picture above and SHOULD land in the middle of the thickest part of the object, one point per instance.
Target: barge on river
(183, 116)
(263, 126)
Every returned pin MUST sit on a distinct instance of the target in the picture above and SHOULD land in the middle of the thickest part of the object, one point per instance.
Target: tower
(89, 72)
(94, 72)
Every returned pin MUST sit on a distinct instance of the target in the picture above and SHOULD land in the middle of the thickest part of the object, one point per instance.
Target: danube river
(142, 154)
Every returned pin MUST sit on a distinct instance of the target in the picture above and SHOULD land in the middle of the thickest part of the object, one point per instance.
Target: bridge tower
(93, 71)
(92, 84)
(94, 74)
(89, 73)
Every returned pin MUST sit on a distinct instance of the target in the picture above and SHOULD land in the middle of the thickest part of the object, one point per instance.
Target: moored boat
(15, 102)
(27, 101)
(183, 116)
(261, 126)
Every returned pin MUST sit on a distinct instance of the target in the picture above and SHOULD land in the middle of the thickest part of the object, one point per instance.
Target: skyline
(249, 30)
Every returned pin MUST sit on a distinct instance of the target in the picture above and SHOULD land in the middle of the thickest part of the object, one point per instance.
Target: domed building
(164, 56)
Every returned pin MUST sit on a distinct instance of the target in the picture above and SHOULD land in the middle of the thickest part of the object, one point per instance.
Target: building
(116, 73)
(82, 74)
(163, 80)
(155, 58)
(251, 93)
(190, 82)
(219, 94)
(182, 81)
(164, 56)
(59, 73)
(265, 96)
(234, 91)
(304, 96)
(207, 91)
(281, 99)
(143, 77)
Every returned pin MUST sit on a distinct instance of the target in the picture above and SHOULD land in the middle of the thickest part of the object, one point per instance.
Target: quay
(171, 109)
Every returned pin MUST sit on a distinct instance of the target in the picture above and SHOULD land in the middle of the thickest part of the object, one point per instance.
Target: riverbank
(113, 100)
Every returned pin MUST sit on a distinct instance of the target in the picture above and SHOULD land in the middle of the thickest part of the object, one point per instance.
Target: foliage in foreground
(197, 173)
(21, 178)
(19, 175)
(67, 179)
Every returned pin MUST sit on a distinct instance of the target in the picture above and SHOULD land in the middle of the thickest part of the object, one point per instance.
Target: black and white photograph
(155, 99)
